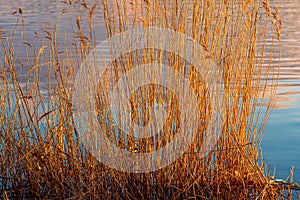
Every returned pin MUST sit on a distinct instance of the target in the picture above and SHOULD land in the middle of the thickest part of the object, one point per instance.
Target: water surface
(281, 140)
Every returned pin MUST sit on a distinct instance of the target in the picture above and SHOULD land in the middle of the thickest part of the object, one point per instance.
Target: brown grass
(41, 152)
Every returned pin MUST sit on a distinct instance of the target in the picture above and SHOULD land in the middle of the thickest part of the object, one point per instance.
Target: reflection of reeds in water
(44, 160)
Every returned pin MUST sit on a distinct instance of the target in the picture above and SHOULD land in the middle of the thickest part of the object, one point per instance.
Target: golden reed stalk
(41, 153)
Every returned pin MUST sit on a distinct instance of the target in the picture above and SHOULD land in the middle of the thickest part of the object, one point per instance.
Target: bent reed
(41, 152)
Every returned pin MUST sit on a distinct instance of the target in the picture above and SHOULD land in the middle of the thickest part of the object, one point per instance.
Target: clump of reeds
(41, 152)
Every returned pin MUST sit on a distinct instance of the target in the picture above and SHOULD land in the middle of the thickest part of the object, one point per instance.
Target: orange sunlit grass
(42, 155)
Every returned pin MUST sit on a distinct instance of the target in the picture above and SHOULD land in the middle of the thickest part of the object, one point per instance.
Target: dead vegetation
(41, 153)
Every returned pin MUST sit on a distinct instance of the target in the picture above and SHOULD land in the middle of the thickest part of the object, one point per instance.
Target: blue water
(281, 140)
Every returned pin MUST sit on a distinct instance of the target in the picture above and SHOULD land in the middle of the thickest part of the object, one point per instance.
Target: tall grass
(41, 152)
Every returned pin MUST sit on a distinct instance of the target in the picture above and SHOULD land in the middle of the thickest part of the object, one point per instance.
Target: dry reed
(41, 153)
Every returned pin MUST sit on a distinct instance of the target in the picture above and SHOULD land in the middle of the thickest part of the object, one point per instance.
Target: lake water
(281, 140)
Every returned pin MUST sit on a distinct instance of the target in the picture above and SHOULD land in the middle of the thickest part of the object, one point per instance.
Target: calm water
(281, 141)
